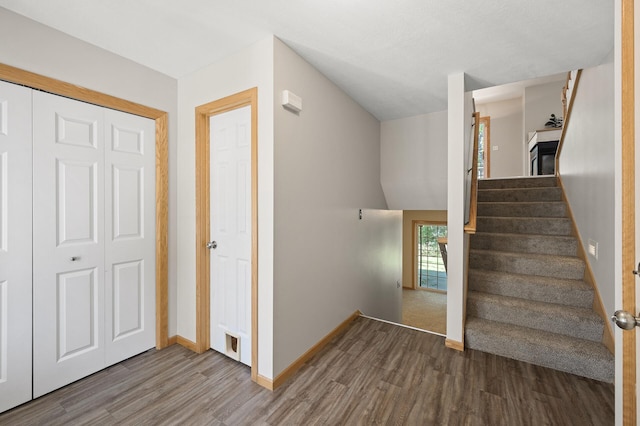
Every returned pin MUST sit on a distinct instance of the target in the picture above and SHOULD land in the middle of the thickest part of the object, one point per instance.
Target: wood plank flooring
(375, 373)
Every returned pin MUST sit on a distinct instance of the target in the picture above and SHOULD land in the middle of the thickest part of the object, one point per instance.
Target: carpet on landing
(426, 310)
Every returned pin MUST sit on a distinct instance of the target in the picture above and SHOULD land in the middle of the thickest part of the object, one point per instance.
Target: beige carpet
(426, 310)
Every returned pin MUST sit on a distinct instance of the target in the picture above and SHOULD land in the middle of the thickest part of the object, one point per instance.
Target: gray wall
(587, 170)
(540, 102)
(506, 135)
(34, 47)
(327, 263)
(413, 166)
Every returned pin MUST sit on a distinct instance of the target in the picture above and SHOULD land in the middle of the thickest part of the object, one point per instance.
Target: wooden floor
(375, 373)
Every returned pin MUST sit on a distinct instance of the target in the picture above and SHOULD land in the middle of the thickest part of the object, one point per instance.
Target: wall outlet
(398, 284)
(592, 248)
(494, 147)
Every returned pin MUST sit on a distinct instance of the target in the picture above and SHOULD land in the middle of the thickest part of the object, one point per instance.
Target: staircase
(527, 299)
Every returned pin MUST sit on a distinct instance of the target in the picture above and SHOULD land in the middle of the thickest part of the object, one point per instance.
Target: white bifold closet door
(15, 245)
(94, 239)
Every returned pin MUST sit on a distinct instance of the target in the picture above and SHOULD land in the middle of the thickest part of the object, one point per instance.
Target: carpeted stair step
(526, 182)
(520, 194)
(526, 209)
(541, 289)
(564, 267)
(576, 356)
(525, 225)
(525, 243)
(527, 298)
(560, 319)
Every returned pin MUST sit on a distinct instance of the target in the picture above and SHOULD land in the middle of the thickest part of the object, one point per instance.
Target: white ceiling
(391, 56)
(513, 90)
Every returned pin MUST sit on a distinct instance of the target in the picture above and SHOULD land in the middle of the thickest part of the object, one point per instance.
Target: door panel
(77, 202)
(77, 305)
(128, 306)
(15, 245)
(127, 202)
(76, 131)
(130, 235)
(68, 222)
(230, 171)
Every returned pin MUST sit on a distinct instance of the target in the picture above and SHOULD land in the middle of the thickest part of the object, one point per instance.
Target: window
(483, 147)
(430, 268)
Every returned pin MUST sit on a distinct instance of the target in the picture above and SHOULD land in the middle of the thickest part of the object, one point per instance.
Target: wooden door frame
(414, 226)
(487, 146)
(58, 87)
(203, 309)
(629, 402)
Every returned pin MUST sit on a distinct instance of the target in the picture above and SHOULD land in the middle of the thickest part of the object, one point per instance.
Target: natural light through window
(431, 271)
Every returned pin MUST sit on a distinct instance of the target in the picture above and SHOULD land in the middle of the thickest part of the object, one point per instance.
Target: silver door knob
(212, 245)
(625, 320)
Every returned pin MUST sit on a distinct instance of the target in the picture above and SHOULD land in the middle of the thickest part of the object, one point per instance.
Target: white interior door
(230, 209)
(15, 245)
(68, 226)
(129, 235)
(94, 228)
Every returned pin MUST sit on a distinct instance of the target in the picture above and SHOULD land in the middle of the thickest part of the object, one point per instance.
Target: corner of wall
(456, 205)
